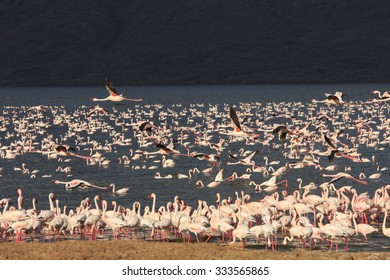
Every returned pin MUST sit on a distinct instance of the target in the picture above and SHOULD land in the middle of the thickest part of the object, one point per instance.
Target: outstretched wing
(111, 89)
(234, 119)
(278, 129)
(147, 127)
(249, 158)
(327, 140)
(232, 156)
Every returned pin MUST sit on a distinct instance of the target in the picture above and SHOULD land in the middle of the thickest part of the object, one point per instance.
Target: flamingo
(310, 186)
(386, 231)
(374, 100)
(194, 227)
(98, 109)
(48, 215)
(114, 96)
(331, 231)
(133, 217)
(245, 161)
(340, 175)
(56, 223)
(77, 183)
(364, 229)
(385, 95)
(271, 184)
(331, 99)
(240, 233)
(184, 176)
(269, 231)
(21, 226)
(114, 223)
(237, 132)
(119, 191)
(12, 215)
(217, 181)
(167, 163)
(66, 150)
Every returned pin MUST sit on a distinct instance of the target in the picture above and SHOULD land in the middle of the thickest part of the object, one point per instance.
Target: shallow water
(76, 102)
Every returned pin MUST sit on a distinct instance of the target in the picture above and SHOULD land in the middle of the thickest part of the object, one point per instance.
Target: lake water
(76, 101)
(167, 95)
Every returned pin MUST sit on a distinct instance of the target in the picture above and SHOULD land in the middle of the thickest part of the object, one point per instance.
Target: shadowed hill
(193, 42)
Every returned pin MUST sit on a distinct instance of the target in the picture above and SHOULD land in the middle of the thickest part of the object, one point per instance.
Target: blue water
(76, 102)
(167, 95)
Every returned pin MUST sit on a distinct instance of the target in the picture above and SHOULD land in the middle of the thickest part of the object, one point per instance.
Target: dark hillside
(193, 41)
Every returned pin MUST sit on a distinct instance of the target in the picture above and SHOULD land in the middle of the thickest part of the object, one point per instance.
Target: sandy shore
(131, 250)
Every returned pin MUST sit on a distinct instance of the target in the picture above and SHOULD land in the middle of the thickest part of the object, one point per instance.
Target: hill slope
(194, 41)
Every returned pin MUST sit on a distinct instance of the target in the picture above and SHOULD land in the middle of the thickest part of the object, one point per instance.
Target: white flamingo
(114, 95)
(120, 191)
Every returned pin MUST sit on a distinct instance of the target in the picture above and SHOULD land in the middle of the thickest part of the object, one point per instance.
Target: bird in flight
(114, 95)
(66, 150)
(98, 109)
(237, 130)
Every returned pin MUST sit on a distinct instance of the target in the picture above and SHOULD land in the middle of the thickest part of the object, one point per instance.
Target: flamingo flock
(248, 156)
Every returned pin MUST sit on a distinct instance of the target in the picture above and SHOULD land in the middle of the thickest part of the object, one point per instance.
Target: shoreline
(151, 250)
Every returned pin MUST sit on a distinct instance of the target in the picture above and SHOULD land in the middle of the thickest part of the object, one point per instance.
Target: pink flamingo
(114, 95)
(341, 175)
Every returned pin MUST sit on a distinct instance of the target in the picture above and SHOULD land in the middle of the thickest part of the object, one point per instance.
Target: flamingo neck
(101, 99)
(154, 204)
(51, 203)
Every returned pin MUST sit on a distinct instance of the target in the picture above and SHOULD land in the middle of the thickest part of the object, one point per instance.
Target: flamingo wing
(327, 140)
(147, 127)
(234, 119)
(111, 89)
(249, 158)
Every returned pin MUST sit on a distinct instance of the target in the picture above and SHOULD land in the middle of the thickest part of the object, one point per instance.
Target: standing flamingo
(331, 231)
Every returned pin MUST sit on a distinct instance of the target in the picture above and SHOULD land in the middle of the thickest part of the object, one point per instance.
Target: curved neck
(6, 206)
(154, 203)
(96, 203)
(51, 203)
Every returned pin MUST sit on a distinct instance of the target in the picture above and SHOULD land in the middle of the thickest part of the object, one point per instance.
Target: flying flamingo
(194, 227)
(364, 229)
(331, 99)
(271, 185)
(66, 150)
(21, 226)
(114, 95)
(98, 109)
(237, 130)
(340, 175)
(241, 233)
(76, 183)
